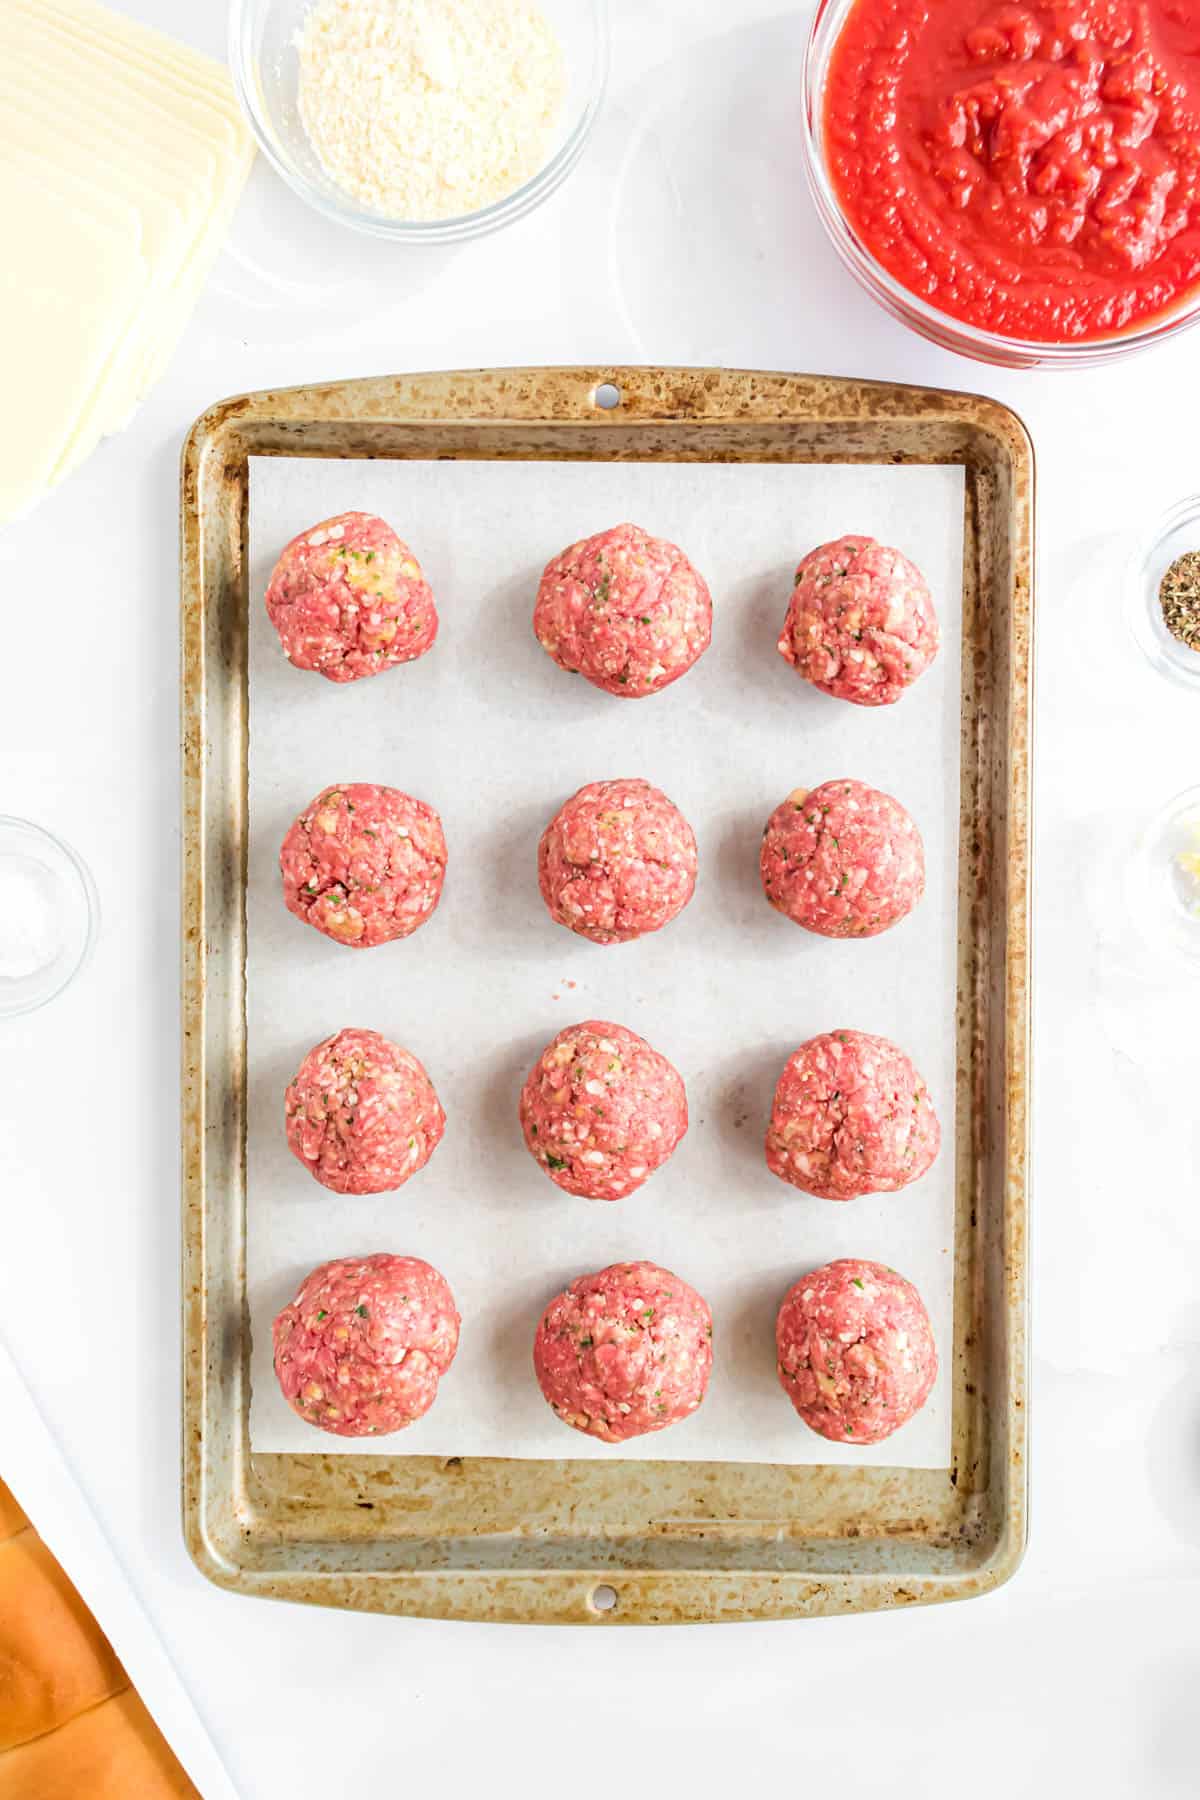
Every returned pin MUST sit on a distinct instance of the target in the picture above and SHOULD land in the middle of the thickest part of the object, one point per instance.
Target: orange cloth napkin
(71, 1726)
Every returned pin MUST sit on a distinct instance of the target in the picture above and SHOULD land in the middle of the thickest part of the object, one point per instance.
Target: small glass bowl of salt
(48, 916)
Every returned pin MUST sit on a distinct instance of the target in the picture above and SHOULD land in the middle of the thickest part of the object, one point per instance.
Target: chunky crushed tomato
(1032, 170)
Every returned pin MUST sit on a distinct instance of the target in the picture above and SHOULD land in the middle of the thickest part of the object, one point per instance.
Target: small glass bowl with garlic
(1163, 880)
(371, 109)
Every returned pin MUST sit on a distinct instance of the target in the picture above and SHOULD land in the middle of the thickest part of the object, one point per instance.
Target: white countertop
(686, 236)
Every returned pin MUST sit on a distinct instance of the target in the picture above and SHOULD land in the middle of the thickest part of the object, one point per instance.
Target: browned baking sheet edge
(500, 1539)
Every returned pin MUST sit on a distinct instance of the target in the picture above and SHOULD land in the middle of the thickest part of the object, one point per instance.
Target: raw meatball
(602, 1110)
(348, 599)
(624, 609)
(618, 861)
(861, 624)
(856, 1351)
(851, 1116)
(625, 1351)
(362, 1347)
(364, 864)
(362, 1114)
(843, 860)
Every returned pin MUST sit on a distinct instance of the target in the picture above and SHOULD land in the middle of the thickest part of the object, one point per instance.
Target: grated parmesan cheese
(428, 109)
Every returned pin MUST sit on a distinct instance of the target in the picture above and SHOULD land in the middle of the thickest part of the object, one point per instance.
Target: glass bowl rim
(91, 903)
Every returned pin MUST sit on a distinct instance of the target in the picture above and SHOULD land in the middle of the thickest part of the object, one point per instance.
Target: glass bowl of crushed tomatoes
(1017, 183)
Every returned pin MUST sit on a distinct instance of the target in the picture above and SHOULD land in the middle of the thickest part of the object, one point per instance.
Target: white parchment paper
(490, 732)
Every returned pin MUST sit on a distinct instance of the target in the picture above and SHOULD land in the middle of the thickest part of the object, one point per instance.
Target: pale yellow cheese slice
(62, 302)
(118, 55)
(110, 70)
(162, 160)
(74, 195)
(195, 275)
(104, 26)
(91, 97)
(172, 202)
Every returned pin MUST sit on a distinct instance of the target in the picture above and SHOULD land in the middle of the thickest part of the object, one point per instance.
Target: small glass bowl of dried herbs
(1162, 597)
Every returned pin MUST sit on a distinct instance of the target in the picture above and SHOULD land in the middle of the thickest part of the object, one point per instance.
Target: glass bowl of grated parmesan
(423, 121)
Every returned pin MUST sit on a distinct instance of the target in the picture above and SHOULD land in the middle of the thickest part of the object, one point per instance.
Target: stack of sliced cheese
(122, 155)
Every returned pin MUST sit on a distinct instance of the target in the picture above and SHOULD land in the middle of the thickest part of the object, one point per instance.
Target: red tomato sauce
(1032, 170)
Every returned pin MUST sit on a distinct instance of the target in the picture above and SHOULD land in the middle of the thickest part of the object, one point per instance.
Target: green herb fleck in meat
(361, 1311)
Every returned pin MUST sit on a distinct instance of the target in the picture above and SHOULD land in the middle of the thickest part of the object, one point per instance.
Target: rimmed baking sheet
(676, 1534)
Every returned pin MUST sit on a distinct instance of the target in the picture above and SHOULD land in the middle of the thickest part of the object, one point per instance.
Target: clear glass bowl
(940, 327)
(265, 68)
(1163, 895)
(1176, 532)
(48, 916)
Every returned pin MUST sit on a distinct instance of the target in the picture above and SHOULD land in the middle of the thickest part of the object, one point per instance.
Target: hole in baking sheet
(607, 396)
(604, 1598)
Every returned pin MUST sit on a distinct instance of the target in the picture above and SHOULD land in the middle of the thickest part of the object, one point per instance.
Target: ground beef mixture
(618, 861)
(624, 1351)
(364, 864)
(601, 1110)
(851, 1116)
(856, 1351)
(361, 1349)
(861, 624)
(842, 859)
(348, 599)
(362, 1114)
(625, 610)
